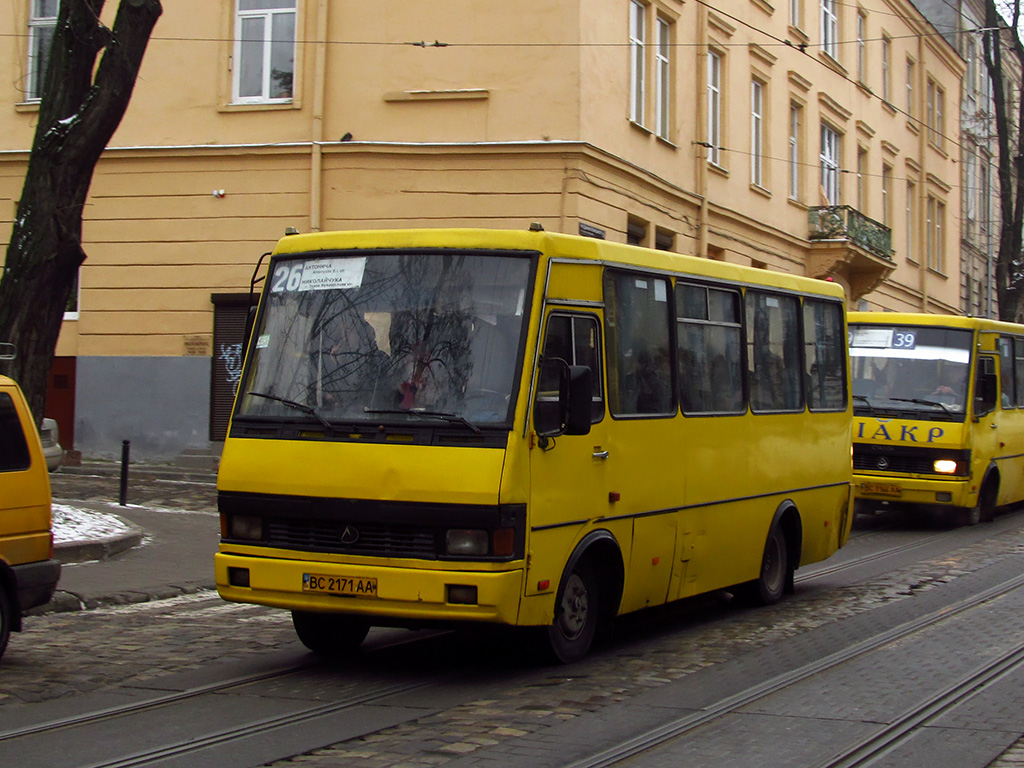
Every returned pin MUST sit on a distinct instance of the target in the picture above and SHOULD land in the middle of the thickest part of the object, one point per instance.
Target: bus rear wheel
(329, 634)
(768, 587)
(576, 615)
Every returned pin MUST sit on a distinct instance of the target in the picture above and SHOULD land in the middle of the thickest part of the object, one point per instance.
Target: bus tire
(577, 614)
(329, 634)
(985, 509)
(6, 618)
(768, 587)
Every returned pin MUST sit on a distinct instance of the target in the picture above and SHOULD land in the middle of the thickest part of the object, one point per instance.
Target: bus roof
(554, 245)
(942, 321)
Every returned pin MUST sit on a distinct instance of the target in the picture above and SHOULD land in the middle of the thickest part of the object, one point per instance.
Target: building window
(971, 76)
(970, 194)
(887, 195)
(830, 164)
(264, 51)
(862, 57)
(41, 24)
(663, 74)
(936, 219)
(984, 175)
(862, 179)
(636, 231)
(757, 133)
(910, 88)
(714, 108)
(795, 122)
(886, 69)
(936, 102)
(796, 13)
(829, 28)
(911, 219)
(637, 55)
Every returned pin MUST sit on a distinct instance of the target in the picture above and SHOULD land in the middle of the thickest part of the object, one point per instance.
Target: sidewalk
(159, 544)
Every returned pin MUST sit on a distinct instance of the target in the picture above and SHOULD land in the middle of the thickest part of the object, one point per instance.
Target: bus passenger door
(568, 485)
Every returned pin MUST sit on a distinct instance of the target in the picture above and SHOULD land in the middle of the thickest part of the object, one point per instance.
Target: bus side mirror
(577, 420)
(986, 390)
(563, 403)
(250, 321)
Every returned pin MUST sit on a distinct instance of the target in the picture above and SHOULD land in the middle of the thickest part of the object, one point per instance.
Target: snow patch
(73, 524)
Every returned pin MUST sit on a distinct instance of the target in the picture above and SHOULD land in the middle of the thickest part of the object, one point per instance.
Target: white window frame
(40, 33)
(830, 28)
(831, 142)
(663, 79)
(268, 15)
(862, 53)
(887, 195)
(911, 218)
(862, 179)
(796, 13)
(637, 61)
(911, 109)
(886, 69)
(757, 132)
(714, 91)
(796, 115)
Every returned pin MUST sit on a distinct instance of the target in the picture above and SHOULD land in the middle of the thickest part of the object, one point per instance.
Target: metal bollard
(125, 448)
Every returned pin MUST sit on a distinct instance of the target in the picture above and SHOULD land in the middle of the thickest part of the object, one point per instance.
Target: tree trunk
(78, 115)
(999, 42)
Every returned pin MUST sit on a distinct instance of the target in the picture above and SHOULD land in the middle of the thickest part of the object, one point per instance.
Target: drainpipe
(922, 187)
(700, 146)
(316, 169)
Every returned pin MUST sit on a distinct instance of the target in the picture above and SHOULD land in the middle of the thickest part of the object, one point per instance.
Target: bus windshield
(910, 368)
(389, 335)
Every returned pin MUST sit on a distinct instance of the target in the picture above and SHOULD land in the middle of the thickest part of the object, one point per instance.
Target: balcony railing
(832, 222)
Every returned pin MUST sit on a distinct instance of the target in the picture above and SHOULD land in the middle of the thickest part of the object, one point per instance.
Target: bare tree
(1004, 54)
(80, 108)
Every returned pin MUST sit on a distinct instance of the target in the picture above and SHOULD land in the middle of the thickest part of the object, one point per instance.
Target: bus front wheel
(768, 587)
(329, 633)
(6, 618)
(576, 615)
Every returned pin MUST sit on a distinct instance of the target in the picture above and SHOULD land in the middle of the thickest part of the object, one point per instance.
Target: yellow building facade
(816, 138)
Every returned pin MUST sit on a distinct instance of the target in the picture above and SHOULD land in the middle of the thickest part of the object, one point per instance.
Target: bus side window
(1018, 344)
(824, 355)
(773, 352)
(576, 339)
(639, 356)
(710, 355)
(1006, 385)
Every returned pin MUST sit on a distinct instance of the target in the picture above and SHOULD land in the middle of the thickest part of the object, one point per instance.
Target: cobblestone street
(98, 650)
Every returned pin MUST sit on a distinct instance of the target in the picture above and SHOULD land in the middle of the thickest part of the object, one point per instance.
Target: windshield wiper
(449, 417)
(919, 401)
(865, 399)
(297, 406)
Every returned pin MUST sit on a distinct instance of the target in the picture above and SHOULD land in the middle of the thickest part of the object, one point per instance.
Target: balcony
(848, 246)
(831, 222)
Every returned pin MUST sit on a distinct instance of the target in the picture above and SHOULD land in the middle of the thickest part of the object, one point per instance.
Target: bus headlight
(248, 527)
(466, 542)
(945, 466)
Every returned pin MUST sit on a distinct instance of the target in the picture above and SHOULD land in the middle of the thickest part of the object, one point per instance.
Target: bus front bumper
(401, 595)
(878, 489)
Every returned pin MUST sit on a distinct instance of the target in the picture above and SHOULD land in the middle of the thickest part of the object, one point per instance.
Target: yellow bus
(938, 414)
(437, 427)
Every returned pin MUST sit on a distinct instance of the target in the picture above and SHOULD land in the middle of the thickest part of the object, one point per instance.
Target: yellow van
(28, 572)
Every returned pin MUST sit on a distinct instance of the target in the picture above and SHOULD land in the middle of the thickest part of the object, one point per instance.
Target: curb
(101, 548)
(67, 602)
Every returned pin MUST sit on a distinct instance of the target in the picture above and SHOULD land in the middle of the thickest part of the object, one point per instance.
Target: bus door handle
(602, 455)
